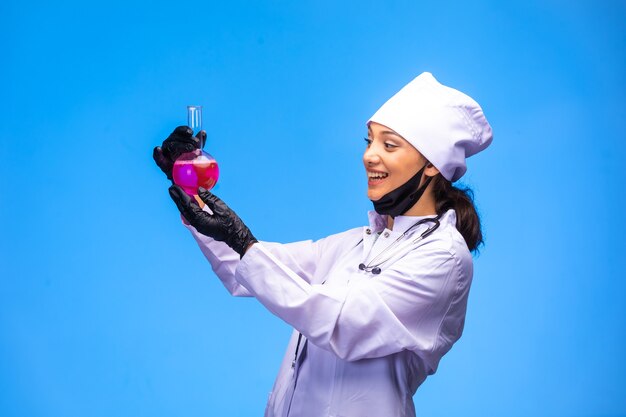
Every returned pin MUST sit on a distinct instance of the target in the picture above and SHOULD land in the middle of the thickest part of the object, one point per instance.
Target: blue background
(108, 308)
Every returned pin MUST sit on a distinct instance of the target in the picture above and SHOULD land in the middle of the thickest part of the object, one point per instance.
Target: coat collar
(378, 222)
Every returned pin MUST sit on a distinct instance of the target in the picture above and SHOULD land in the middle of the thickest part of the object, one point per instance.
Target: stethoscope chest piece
(376, 270)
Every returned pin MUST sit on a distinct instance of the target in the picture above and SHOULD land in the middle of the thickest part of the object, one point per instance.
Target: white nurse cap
(443, 124)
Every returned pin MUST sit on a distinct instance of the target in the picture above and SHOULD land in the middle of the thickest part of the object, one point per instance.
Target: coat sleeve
(298, 257)
(416, 304)
(223, 261)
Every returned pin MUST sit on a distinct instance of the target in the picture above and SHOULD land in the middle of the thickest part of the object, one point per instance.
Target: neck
(425, 206)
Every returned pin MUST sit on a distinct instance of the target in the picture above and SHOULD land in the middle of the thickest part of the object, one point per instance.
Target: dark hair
(447, 196)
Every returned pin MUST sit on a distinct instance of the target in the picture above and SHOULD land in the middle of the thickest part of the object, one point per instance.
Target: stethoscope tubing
(375, 269)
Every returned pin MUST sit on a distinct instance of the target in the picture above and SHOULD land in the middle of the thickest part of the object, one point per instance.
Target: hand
(224, 225)
(179, 142)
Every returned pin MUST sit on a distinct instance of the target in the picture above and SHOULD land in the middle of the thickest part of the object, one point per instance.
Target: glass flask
(198, 168)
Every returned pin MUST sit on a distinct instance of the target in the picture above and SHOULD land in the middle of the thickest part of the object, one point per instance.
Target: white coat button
(386, 234)
(368, 231)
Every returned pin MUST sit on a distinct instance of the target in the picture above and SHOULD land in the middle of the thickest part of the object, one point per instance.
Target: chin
(374, 196)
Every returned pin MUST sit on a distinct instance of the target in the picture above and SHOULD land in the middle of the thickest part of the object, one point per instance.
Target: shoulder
(447, 241)
(347, 234)
(340, 240)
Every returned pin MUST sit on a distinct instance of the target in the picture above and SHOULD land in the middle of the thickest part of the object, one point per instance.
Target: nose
(371, 157)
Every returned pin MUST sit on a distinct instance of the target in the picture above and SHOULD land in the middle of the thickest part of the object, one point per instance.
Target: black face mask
(399, 201)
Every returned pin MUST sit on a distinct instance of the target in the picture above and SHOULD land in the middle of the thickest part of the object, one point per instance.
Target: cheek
(405, 166)
(401, 178)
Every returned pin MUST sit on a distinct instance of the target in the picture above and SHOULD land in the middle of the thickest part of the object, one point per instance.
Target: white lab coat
(369, 340)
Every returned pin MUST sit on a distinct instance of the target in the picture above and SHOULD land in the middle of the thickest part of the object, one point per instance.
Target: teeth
(377, 175)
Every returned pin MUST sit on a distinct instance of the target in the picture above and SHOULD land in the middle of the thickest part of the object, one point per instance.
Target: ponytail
(447, 196)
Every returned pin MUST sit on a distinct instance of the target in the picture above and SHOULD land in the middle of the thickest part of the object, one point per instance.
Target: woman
(374, 308)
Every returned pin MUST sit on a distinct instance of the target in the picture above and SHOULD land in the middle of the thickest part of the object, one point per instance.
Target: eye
(368, 141)
(390, 145)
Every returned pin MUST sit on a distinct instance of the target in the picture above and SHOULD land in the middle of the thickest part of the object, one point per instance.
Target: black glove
(179, 142)
(224, 225)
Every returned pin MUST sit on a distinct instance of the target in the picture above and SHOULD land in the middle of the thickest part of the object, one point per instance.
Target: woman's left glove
(180, 141)
(224, 225)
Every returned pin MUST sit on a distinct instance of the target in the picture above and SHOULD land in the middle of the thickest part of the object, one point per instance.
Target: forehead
(378, 129)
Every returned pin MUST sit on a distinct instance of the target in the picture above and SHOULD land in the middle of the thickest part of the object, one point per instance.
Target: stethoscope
(375, 268)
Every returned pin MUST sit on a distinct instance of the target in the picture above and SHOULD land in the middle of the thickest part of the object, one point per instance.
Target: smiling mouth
(374, 178)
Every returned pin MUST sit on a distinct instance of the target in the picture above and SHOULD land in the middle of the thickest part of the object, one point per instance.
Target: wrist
(247, 246)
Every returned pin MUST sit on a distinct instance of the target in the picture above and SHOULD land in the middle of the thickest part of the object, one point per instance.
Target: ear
(430, 170)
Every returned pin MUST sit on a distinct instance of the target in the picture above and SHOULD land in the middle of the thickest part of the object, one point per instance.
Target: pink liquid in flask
(195, 169)
(198, 168)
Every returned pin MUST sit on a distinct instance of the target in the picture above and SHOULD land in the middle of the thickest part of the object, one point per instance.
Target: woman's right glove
(223, 225)
(180, 141)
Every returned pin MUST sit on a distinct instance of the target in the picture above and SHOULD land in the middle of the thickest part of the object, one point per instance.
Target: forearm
(223, 261)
